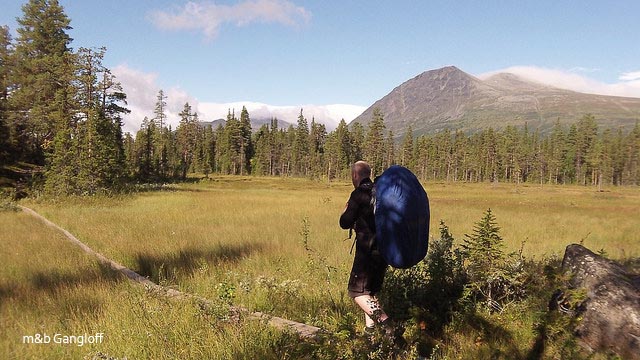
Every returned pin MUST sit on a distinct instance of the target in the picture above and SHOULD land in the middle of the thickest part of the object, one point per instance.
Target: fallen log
(303, 330)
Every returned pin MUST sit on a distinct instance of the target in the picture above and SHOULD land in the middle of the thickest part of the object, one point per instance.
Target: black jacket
(359, 216)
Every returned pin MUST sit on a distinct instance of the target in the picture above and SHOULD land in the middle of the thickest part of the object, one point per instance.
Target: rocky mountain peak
(449, 98)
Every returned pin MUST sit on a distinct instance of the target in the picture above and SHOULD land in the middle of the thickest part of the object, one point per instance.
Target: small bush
(7, 200)
(494, 278)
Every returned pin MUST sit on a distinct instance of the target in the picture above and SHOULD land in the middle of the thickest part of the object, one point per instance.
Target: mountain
(256, 124)
(449, 98)
(329, 115)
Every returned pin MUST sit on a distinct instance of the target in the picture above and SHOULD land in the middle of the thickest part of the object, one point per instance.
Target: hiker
(369, 267)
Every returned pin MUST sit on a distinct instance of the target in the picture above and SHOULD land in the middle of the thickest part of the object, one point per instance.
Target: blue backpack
(402, 217)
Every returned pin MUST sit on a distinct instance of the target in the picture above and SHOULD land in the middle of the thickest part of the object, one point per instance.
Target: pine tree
(344, 153)
(246, 145)
(317, 140)
(407, 154)
(374, 146)
(301, 152)
(145, 150)
(6, 148)
(461, 162)
(159, 111)
(96, 129)
(586, 132)
(631, 174)
(357, 142)
(187, 132)
(389, 151)
(262, 141)
(63, 157)
(484, 257)
(40, 72)
(209, 149)
(161, 136)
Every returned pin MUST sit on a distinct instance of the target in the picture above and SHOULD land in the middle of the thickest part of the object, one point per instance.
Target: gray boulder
(611, 312)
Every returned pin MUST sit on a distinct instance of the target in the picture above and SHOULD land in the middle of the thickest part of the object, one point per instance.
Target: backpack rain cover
(402, 217)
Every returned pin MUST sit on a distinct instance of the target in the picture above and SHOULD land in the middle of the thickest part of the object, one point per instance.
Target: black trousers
(367, 272)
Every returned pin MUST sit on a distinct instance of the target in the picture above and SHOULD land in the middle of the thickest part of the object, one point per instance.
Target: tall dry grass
(49, 286)
(268, 244)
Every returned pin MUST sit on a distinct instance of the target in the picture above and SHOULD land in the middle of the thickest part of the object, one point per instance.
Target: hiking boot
(369, 333)
(393, 331)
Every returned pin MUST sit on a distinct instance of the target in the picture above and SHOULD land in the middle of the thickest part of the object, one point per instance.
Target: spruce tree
(484, 256)
(187, 132)
(301, 152)
(246, 145)
(145, 150)
(407, 151)
(6, 150)
(357, 142)
(161, 136)
(374, 146)
(317, 140)
(40, 72)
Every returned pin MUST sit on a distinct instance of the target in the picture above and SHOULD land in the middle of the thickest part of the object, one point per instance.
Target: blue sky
(281, 55)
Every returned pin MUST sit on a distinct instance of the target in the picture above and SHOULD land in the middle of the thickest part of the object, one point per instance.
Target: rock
(611, 312)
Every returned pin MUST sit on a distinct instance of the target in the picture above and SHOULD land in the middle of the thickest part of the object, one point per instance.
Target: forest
(61, 120)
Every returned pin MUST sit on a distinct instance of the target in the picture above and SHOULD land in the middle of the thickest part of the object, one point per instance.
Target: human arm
(350, 213)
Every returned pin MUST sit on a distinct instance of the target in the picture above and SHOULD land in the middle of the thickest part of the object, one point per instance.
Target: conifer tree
(159, 111)
(357, 142)
(161, 136)
(246, 145)
(261, 163)
(317, 140)
(343, 150)
(187, 132)
(389, 151)
(63, 156)
(407, 152)
(374, 146)
(300, 151)
(631, 174)
(586, 132)
(484, 257)
(209, 150)
(6, 148)
(145, 150)
(40, 72)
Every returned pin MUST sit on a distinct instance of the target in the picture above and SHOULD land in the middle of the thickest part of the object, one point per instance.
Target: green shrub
(494, 278)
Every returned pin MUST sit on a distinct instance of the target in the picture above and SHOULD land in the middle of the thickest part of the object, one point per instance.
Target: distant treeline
(62, 110)
(579, 154)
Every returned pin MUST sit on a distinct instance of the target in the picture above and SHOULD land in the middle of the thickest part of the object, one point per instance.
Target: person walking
(369, 267)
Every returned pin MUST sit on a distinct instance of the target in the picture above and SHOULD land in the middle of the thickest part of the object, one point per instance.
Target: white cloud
(329, 115)
(630, 76)
(581, 69)
(628, 86)
(207, 16)
(142, 91)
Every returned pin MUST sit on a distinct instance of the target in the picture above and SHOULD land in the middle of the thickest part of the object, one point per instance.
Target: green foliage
(374, 143)
(493, 277)
(64, 109)
(7, 200)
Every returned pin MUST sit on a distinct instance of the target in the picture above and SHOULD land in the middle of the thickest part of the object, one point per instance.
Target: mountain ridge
(449, 98)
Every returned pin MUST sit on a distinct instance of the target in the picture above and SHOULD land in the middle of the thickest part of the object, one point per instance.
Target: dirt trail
(303, 330)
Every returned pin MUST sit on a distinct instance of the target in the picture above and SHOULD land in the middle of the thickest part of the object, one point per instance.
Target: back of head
(360, 171)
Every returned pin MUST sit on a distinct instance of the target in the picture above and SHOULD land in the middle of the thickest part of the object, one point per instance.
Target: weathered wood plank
(303, 330)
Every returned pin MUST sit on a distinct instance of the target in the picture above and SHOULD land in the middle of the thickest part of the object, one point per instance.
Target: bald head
(360, 171)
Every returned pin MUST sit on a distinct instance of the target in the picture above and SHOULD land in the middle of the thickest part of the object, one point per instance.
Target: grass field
(268, 244)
